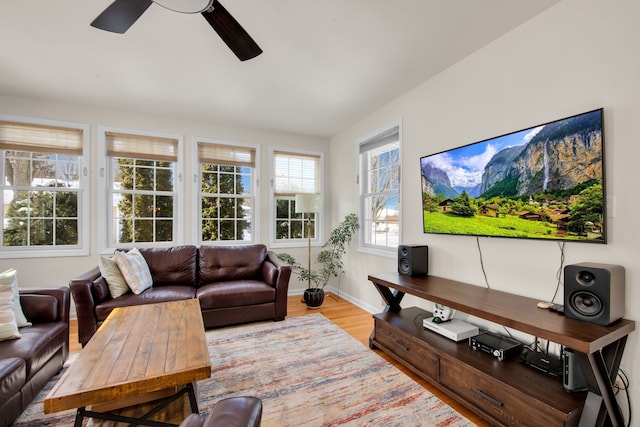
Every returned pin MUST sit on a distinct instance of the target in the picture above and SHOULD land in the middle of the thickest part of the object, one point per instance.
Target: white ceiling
(326, 63)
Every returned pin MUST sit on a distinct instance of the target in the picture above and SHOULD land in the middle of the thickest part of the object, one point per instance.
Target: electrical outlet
(611, 206)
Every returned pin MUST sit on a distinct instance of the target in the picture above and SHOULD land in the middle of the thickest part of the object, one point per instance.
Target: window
(379, 178)
(43, 199)
(142, 197)
(295, 173)
(227, 192)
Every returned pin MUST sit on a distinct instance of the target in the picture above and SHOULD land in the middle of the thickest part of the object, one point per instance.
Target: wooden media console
(504, 392)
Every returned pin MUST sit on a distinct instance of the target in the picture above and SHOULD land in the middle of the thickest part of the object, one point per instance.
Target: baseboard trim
(347, 297)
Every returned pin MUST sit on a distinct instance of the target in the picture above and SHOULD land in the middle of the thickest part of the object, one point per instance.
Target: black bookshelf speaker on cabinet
(413, 260)
(594, 292)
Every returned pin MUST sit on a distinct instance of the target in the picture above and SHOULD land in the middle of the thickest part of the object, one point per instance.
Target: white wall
(576, 56)
(50, 272)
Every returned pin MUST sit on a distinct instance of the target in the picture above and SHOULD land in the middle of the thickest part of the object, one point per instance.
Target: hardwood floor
(355, 321)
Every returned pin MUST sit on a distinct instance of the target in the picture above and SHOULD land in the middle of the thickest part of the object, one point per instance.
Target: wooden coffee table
(140, 354)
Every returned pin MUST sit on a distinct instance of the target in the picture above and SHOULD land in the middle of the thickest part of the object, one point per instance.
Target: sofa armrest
(281, 283)
(85, 304)
(46, 304)
(283, 271)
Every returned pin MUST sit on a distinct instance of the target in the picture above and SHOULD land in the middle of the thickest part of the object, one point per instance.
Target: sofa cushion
(150, 296)
(235, 293)
(13, 375)
(112, 274)
(40, 308)
(8, 325)
(170, 266)
(134, 269)
(218, 263)
(37, 345)
(10, 277)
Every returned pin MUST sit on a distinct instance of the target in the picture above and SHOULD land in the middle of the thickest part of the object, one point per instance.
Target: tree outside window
(292, 225)
(43, 210)
(225, 205)
(227, 191)
(142, 191)
(295, 173)
(41, 185)
(145, 201)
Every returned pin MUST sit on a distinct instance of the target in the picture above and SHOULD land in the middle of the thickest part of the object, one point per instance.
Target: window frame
(374, 139)
(84, 215)
(105, 191)
(197, 192)
(318, 217)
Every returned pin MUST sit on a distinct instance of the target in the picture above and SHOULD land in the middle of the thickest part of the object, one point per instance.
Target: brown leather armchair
(244, 411)
(29, 362)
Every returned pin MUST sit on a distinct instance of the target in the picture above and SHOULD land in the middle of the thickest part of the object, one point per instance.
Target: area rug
(308, 372)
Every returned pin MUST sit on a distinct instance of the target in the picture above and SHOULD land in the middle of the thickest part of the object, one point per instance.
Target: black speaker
(594, 292)
(413, 260)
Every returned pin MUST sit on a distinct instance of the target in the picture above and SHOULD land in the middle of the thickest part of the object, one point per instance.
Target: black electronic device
(500, 346)
(543, 362)
(413, 260)
(576, 371)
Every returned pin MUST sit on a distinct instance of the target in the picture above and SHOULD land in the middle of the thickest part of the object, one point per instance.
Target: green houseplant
(329, 260)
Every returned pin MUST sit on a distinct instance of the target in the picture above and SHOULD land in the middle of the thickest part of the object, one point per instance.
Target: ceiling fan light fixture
(121, 14)
(185, 6)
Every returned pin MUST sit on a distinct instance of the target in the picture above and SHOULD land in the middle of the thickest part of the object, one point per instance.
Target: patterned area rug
(308, 372)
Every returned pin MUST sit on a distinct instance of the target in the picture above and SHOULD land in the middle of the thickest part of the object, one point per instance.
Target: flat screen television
(543, 182)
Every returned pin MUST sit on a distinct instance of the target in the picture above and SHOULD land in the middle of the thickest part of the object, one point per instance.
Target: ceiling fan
(121, 14)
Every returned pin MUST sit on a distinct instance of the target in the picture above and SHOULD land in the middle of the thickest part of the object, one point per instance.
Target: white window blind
(296, 173)
(388, 137)
(142, 147)
(40, 138)
(228, 155)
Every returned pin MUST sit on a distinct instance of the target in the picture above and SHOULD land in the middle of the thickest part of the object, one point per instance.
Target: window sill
(382, 252)
(35, 253)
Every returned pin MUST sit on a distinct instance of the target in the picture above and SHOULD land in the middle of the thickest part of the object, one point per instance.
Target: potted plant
(329, 259)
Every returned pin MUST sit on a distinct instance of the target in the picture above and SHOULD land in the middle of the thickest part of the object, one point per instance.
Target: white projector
(454, 329)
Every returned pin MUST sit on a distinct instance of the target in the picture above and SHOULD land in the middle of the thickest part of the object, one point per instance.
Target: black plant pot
(313, 297)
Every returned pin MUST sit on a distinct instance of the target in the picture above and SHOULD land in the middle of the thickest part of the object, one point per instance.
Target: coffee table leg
(193, 400)
(189, 389)
(79, 417)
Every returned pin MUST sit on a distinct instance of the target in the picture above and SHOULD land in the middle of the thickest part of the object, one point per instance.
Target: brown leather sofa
(242, 411)
(235, 284)
(29, 362)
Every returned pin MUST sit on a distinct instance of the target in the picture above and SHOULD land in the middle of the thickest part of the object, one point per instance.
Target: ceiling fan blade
(120, 15)
(231, 32)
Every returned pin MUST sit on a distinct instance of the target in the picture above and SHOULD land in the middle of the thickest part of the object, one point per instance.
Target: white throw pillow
(10, 277)
(112, 274)
(8, 326)
(135, 270)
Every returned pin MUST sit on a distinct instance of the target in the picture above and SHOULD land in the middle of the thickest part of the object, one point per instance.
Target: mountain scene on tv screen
(544, 182)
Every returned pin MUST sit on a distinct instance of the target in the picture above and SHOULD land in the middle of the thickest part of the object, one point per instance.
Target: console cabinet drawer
(408, 348)
(497, 399)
